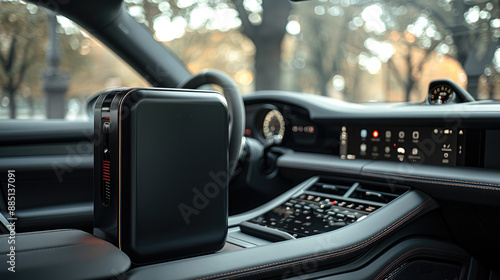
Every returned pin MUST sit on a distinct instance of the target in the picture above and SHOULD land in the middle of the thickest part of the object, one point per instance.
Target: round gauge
(441, 94)
(274, 124)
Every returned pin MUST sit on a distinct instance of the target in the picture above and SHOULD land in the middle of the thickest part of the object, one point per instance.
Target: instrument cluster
(290, 124)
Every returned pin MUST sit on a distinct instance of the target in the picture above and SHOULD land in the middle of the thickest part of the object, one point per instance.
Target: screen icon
(364, 133)
(362, 147)
(401, 134)
(415, 134)
(387, 134)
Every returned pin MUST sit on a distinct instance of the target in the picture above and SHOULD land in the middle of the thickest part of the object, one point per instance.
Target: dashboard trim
(476, 185)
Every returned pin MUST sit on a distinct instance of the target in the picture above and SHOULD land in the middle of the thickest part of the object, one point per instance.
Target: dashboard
(292, 124)
(461, 134)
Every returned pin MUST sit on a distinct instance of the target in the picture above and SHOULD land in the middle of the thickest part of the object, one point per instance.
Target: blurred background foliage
(355, 50)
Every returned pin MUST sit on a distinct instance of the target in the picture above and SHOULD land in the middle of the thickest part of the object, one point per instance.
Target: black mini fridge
(160, 172)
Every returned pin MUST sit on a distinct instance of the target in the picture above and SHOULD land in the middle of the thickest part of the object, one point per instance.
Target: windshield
(353, 50)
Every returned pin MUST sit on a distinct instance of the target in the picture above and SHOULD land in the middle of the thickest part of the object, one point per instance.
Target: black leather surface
(322, 163)
(61, 254)
(275, 259)
(398, 255)
(467, 184)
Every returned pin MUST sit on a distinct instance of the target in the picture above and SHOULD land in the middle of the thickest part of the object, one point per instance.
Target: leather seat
(60, 254)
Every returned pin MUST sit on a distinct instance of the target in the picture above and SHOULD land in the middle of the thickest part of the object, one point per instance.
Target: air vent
(378, 193)
(329, 188)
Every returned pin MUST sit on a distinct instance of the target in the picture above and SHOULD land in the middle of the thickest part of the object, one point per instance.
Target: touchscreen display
(428, 145)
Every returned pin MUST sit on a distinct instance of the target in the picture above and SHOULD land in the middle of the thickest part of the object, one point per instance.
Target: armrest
(59, 254)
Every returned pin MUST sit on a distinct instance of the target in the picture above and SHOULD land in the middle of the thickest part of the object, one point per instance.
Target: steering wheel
(235, 107)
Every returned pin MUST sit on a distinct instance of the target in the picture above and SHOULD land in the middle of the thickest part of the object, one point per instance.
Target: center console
(322, 222)
(323, 204)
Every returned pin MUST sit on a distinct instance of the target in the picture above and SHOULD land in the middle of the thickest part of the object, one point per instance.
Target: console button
(324, 203)
(336, 224)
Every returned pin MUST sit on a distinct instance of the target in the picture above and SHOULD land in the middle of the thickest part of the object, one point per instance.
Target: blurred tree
(416, 44)
(264, 23)
(23, 45)
(326, 42)
(343, 37)
(204, 34)
(22, 30)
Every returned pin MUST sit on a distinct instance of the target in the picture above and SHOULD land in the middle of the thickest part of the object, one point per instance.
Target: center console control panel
(326, 205)
(310, 215)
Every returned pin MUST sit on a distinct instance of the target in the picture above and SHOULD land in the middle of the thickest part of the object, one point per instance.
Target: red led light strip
(106, 172)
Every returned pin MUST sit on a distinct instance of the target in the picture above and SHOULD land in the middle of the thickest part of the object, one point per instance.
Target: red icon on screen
(375, 134)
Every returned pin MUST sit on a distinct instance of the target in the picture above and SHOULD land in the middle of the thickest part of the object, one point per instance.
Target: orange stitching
(431, 178)
(438, 180)
(361, 244)
(402, 177)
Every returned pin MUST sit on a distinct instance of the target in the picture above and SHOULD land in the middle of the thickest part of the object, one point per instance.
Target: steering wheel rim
(235, 107)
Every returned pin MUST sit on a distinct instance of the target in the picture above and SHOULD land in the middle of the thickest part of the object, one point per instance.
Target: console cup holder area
(322, 205)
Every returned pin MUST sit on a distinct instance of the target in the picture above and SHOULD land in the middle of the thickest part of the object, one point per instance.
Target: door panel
(53, 162)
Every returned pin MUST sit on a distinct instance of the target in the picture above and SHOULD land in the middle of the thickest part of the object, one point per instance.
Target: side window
(49, 66)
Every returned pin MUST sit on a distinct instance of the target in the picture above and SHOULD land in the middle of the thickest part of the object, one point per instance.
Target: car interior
(317, 187)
